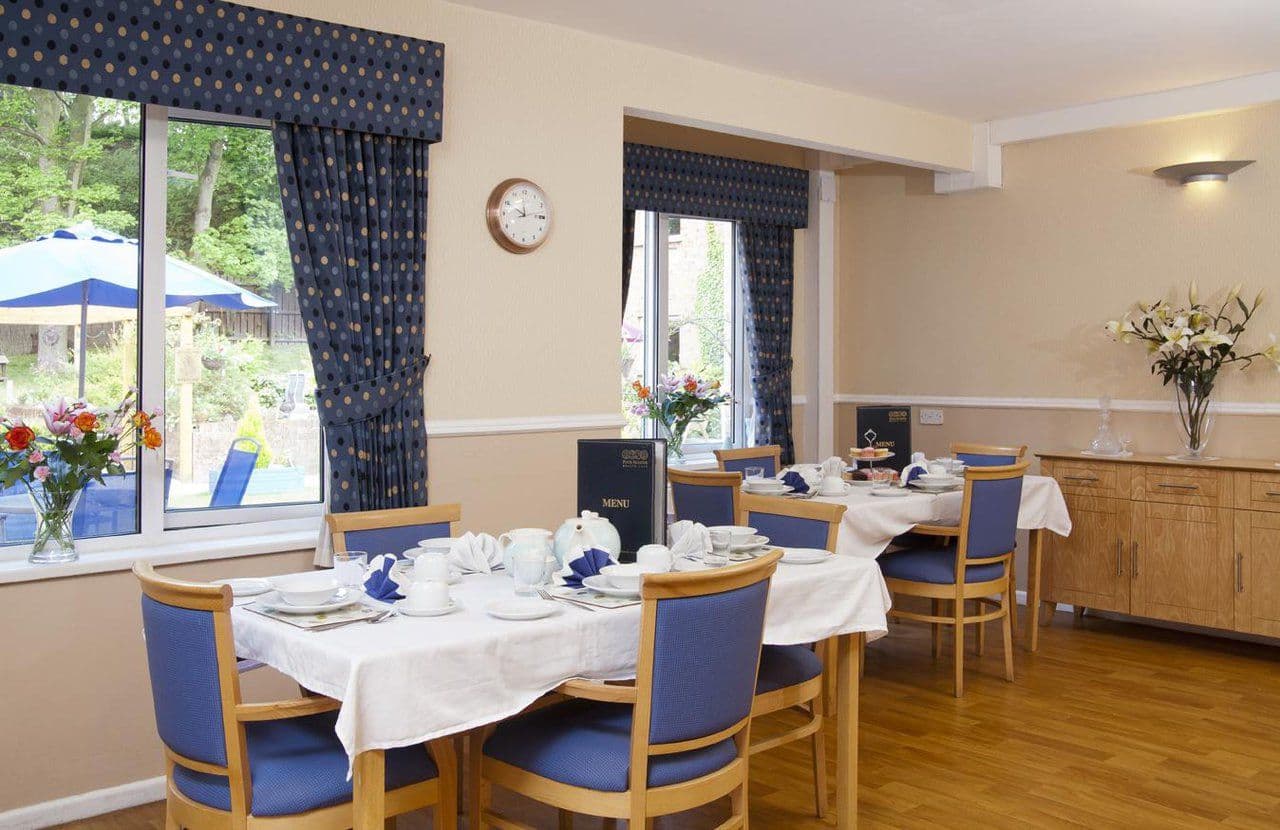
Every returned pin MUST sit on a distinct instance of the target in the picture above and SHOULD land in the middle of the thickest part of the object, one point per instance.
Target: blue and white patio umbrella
(59, 277)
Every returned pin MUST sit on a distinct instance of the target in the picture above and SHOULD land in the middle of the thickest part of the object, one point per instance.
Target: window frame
(196, 533)
(657, 332)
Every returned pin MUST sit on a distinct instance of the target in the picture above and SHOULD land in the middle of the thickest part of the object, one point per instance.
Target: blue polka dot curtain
(765, 257)
(356, 207)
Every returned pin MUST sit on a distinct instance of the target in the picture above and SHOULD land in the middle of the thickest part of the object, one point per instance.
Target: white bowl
(738, 534)
(441, 544)
(306, 589)
(626, 577)
(934, 478)
(766, 486)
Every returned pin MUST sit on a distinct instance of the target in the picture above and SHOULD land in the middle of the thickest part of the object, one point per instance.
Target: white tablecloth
(410, 680)
(872, 522)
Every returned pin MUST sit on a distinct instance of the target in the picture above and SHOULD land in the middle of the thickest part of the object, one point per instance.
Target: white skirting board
(84, 805)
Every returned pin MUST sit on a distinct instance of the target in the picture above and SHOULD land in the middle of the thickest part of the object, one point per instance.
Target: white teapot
(590, 530)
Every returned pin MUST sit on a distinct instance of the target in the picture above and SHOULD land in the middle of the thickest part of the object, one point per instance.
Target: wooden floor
(1110, 725)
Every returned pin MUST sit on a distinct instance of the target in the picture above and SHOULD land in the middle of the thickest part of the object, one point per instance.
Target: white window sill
(696, 461)
(175, 547)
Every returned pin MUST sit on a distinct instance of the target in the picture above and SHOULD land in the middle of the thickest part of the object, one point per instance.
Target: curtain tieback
(361, 400)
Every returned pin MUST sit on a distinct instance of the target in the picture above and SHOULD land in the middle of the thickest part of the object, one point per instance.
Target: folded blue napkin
(588, 564)
(795, 481)
(379, 583)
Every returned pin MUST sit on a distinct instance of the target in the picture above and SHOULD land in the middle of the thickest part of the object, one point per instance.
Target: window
(683, 314)
(189, 298)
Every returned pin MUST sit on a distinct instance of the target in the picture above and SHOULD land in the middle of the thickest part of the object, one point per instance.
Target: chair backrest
(237, 467)
(194, 684)
(989, 514)
(793, 524)
(699, 655)
(987, 455)
(706, 498)
(392, 531)
(737, 461)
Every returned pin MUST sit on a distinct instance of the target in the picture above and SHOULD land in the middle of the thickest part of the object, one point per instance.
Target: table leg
(847, 730)
(369, 788)
(1034, 579)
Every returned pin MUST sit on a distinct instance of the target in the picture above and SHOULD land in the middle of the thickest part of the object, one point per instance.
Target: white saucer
(403, 607)
(756, 543)
(245, 586)
(274, 602)
(601, 586)
(771, 491)
(890, 492)
(804, 556)
(522, 608)
(936, 487)
(684, 565)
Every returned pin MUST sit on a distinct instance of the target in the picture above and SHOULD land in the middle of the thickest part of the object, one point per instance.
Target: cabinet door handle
(1179, 486)
(1133, 559)
(1239, 572)
(1273, 492)
(1086, 479)
(1119, 557)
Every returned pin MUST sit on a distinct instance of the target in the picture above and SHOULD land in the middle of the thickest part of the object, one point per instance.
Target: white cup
(831, 486)
(654, 558)
(427, 596)
(939, 468)
(432, 565)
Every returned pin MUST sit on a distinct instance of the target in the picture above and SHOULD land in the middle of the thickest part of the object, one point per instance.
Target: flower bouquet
(674, 404)
(1189, 345)
(82, 445)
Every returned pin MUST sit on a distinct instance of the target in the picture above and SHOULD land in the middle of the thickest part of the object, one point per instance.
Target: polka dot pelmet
(356, 209)
(697, 184)
(223, 57)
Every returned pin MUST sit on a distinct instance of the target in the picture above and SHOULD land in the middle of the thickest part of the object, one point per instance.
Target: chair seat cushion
(934, 565)
(782, 666)
(298, 765)
(588, 744)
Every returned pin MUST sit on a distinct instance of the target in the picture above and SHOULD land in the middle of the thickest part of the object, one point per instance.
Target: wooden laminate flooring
(1110, 725)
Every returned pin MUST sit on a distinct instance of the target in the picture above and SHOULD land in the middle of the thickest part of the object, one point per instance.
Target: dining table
(873, 520)
(410, 680)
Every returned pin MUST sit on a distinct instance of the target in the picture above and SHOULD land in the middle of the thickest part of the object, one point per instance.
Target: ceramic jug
(523, 539)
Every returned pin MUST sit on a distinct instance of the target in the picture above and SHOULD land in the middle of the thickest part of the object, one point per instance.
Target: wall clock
(519, 215)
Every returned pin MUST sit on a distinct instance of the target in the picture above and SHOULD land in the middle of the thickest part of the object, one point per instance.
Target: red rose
(20, 437)
(86, 421)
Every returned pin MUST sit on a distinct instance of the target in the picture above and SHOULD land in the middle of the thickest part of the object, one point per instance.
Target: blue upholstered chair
(976, 568)
(675, 740)
(237, 468)
(737, 461)
(707, 498)
(234, 764)
(792, 676)
(986, 455)
(392, 531)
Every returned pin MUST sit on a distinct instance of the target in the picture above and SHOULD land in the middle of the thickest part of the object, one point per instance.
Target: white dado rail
(1082, 404)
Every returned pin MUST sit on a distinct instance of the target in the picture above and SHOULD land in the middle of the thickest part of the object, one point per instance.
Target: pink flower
(75, 433)
(35, 456)
(115, 456)
(41, 473)
(58, 417)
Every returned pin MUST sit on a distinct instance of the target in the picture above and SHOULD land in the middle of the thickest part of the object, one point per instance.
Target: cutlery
(340, 624)
(547, 595)
(384, 616)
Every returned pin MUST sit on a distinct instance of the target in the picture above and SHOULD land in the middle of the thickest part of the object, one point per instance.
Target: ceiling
(976, 59)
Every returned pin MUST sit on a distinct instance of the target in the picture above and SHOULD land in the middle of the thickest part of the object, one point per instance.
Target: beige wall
(511, 336)
(1014, 285)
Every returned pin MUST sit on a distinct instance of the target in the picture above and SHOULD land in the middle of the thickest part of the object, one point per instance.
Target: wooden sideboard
(1195, 543)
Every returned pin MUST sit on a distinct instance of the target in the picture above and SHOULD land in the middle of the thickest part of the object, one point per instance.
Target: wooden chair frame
(810, 697)
(978, 592)
(340, 523)
(639, 803)
(182, 812)
(707, 479)
(750, 452)
(945, 533)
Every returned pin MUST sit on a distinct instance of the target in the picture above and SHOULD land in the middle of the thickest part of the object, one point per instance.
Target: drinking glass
(349, 567)
(754, 472)
(529, 570)
(719, 555)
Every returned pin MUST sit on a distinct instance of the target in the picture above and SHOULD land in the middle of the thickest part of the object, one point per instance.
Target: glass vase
(1195, 417)
(54, 541)
(675, 440)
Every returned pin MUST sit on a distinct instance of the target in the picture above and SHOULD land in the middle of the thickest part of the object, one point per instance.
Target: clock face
(519, 215)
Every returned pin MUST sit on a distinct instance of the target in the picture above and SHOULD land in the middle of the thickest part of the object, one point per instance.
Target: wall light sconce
(1201, 171)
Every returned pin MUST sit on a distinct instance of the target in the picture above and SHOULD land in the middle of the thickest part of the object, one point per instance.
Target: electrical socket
(932, 417)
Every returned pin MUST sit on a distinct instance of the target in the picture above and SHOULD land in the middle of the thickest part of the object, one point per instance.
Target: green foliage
(251, 426)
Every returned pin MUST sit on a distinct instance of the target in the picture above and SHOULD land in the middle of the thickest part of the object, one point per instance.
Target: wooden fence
(279, 324)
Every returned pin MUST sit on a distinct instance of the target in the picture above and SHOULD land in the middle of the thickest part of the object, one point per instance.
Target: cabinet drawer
(1087, 478)
(1258, 491)
(1182, 485)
